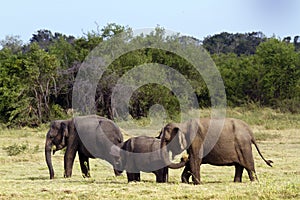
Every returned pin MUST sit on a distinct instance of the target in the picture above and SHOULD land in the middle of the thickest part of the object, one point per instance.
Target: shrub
(289, 105)
(16, 149)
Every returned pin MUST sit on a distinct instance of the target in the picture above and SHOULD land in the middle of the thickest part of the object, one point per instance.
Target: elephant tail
(268, 162)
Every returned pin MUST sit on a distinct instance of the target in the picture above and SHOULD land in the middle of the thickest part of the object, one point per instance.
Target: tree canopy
(37, 78)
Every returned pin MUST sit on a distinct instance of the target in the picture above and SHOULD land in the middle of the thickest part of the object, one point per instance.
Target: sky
(197, 18)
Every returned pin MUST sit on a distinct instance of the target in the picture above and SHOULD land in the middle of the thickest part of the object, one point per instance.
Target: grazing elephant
(232, 147)
(91, 136)
(144, 154)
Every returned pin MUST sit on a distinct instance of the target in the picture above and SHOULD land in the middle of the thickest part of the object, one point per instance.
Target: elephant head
(173, 139)
(57, 136)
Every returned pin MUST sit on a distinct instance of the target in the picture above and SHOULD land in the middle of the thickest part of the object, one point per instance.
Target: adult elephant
(143, 153)
(233, 146)
(91, 136)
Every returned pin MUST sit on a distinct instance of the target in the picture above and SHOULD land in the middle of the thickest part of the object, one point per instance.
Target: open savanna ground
(24, 174)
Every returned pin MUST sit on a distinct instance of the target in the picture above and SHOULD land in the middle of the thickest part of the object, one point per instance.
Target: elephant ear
(65, 133)
(181, 138)
(160, 134)
(64, 128)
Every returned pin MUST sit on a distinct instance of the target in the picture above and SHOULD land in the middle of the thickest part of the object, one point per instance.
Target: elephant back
(98, 135)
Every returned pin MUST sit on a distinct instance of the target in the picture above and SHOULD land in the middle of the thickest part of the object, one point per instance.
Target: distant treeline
(37, 78)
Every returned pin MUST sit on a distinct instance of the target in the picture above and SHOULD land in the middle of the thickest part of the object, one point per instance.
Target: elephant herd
(93, 136)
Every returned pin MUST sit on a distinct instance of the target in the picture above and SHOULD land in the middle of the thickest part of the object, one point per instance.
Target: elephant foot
(237, 180)
(67, 175)
(186, 176)
(196, 182)
(88, 175)
(184, 180)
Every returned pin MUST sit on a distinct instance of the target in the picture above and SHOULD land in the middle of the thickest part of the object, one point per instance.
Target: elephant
(143, 153)
(91, 136)
(233, 147)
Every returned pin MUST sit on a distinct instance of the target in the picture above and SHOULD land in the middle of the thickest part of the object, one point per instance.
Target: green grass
(25, 175)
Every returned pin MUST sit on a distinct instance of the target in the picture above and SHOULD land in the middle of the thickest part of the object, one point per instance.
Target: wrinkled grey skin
(233, 147)
(96, 136)
(143, 154)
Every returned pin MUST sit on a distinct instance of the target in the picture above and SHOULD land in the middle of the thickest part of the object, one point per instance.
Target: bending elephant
(144, 154)
(91, 136)
(232, 147)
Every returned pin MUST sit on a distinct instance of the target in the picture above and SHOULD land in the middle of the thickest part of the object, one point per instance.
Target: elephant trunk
(165, 155)
(48, 147)
(117, 159)
(177, 165)
(164, 151)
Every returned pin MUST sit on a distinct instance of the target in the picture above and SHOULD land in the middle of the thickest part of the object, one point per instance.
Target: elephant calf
(143, 153)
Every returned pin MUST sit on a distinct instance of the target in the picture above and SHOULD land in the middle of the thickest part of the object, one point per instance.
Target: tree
(233, 43)
(13, 88)
(239, 74)
(297, 43)
(43, 38)
(37, 79)
(64, 49)
(41, 68)
(112, 29)
(13, 43)
(278, 71)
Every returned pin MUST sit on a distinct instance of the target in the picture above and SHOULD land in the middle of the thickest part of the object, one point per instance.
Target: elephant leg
(251, 175)
(84, 165)
(195, 163)
(248, 164)
(68, 161)
(161, 175)
(158, 175)
(165, 174)
(137, 177)
(130, 177)
(238, 173)
(133, 177)
(185, 176)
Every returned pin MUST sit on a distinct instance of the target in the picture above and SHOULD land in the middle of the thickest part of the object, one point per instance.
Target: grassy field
(24, 174)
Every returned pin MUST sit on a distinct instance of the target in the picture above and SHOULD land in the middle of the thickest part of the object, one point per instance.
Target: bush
(16, 149)
(289, 105)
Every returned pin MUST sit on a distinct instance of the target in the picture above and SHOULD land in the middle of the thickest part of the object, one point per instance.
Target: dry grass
(25, 176)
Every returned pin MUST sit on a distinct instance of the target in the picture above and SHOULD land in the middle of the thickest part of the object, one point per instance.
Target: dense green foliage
(36, 79)
(270, 77)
